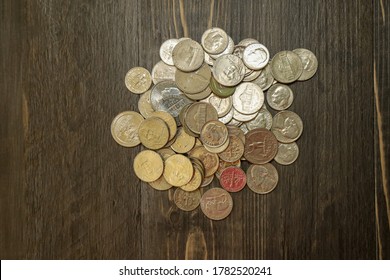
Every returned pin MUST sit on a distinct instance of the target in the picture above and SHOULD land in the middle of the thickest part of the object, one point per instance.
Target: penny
(193, 82)
(248, 98)
(287, 153)
(210, 160)
(195, 181)
(148, 166)
(221, 90)
(216, 204)
(228, 117)
(265, 79)
(178, 170)
(144, 105)
(198, 114)
(160, 184)
(287, 126)
(280, 97)
(286, 67)
(262, 179)
(169, 120)
(229, 49)
(309, 62)
(163, 72)
(262, 120)
(124, 128)
(214, 40)
(222, 105)
(188, 55)
(261, 146)
(207, 181)
(233, 179)
(234, 151)
(229, 70)
(138, 80)
(166, 50)
(183, 143)
(186, 201)
(153, 133)
(255, 56)
(213, 134)
(225, 164)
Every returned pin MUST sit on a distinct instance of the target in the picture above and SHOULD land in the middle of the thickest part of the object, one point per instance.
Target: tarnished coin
(124, 128)
(188, 55)
(214, 40)
(286, 67)
(233, 179)
(198, 114)
(183, 143)
(222, 105)
(221, 90)
(228, 117)
(287, 126)
(148, 166)
(280, 97)
(169, 120)
(229, 70)
(213, 134)
(160, 184)
(229, 49)
(144, 105)
(262, 120)
(193, 82)
(261, 146)
(138, 80)
(263, 178)
(309, 62)
(210, 160)
(265, 79)
(255, 56)
(287, 153)
(165, 96)
(234, 151)
(163, 72)
(178, 170)
(195, 181)
(216, 204)
(153, 133)
(166, 50)
(248, 98)
(186, 201)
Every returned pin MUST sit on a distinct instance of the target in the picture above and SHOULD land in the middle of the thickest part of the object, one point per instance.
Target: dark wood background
(68, 191)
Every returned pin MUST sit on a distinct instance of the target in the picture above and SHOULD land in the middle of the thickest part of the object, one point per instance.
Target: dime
(163, 72)
(220, 149)
(287, 153)
(260, 146)
(286, 67)
(229, 49)
(265, 80)
(234, 151)
(169, 120)
(248, 98)
(138, 80)
(221, 90)
(214, 40)
(255, 56)
(262, 120)
(262, 179)
(216, 204)
(193, 82)
(160, 184)
(166, 50)
(309, 62)
(229, 70)
(124, 128)
(153, 133)
(148, 166)
(178, 170)
(253, 76)
(188, 55)
(144, 105)
(210, 160)
(195, 181)
(287, 126)
(213, 134)
(183, 143)
(222, 105)
(233, 179)
(198, 114)
(280, 97)
(186, 201)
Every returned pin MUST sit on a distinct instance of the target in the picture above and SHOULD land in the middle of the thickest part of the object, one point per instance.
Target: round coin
(216, 203)
(248, 98)
(221, 90)
(234, 151)
(229, 49)
(229, 70)
(261, 146)
(195, 181)
(309, 62)
(262, 120)
(280, 97)
(124, 128)
(198, 114)
(169, 120)
(144, 105)
(287, 126)
(265, 79)
(193, 82)
(188, 55)
(163, 72)
(286, 67)
(210, 160)
(287, 153)
(183, 143)
(138, 80)
(186, 201)
(213, 134)
(233, 179)
(262, 179)
(160, 184)
(255, 56)
(222, 105)
(178, 170)
(153, 133)
(148, 166)
(166, 50)
(214, 40)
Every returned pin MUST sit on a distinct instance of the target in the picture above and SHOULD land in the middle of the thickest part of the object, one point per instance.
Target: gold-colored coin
(195, 182)
(144, 105)
(210, 160)
(166, 153)
(178, 170)
(183, 143)
(148, 166)
(170, 121)
(186, 201)
(153, 133)
(124, 128)
(160, 184)
(138, 80)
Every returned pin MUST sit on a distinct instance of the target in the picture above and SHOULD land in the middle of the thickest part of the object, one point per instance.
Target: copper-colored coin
(195, 181)
(124, 128)
(233, 179)
(183, 143)
(234, 151)
(261, 146)
(153, 133)
(178, 170)
(169, 120)
(193, 82)
(138, 80)
(216, 204)
(186, 201)
(263, 178)
(210, 160)
(198, 114)
(148, 166)
(214, 134)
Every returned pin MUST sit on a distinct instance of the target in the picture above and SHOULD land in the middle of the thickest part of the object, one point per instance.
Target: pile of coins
(205, 114)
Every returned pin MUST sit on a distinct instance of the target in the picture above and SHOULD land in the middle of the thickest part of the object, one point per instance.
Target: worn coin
(153, 133)
(138, 80)
(188, 55)
(200, 95)
(233, 179)
(198, 114)
(309, 62)
(183, 143)
(261, 146)
(166, 50)
(216, 203)
(222, 105)
(263, 178)
(220, 149)
(144, 105)
(163, 72)
(186, 201)
(207, 181)
(169, 120)
(229, 70)
(235, 130)
(210, 160)
(148, 166)
(255, 56)
(229, 49)
(265, 79)
(178, 170)
(193, 82)
(280, 97)
(234, 151)
(248, 98)
(286, 67)
(247, 41)
(195, 181)
(243, 117)
(165, 153)
(287, 153)
(213, 134)
(252, 76)
(287, 126)
(214, 40)
(225, 164)
(124, 128)
(160, 184)
(228, 117)
(221, 90)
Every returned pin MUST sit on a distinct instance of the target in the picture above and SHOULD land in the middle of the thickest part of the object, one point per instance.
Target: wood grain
(68, 191)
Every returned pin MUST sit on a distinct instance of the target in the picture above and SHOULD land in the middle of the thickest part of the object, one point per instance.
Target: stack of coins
(206, 113)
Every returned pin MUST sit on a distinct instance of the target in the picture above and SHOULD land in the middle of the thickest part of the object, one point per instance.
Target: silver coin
(280, 97)
(244, 128)
(188, 55)
(229, 70)
(243, 117)
(247, 41)
(201, 95)
(228, 117)
(222, 105)
(286, 67)
(248, 98)
(287, 126)
(262, 120)
(163, 72)
(287, 153)
(208, 59)
(229, 49)
(253, 76)
(265, 79)
(214, 40)
(309, 62)
(234, 122)
(166, 50)
(255, 56)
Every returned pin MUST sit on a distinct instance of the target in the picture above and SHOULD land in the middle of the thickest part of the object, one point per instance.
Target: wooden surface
(67, 190)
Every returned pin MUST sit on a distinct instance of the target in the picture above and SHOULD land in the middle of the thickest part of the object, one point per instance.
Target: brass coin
(287, 153)
(193, 82)
(144, 105)
(153, 133)
(195, 181)
(138, 80)
(160, 184)
(178, 170)
(124, 128)
(261, 146)
(287, 126)
(186, 201)
(169, 120)
(188, 55)
(216, 204)
(148, 166)
(198, 114)
(183, 143)
(213, 134)
(166, 153)
(262, 179)
(210, 160)
(234, 151)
